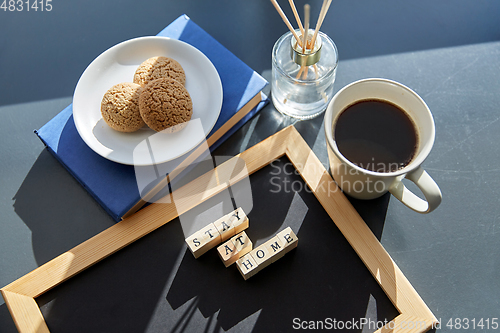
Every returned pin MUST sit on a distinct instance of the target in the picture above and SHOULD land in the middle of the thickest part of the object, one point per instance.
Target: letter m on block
(275, 246)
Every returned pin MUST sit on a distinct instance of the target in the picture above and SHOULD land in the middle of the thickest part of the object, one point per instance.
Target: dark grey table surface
(447, 51)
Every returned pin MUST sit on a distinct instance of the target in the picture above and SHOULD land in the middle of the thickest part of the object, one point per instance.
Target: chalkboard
(156, 285)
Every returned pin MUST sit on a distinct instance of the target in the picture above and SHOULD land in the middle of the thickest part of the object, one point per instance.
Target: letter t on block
(234, 248)
(203, 240)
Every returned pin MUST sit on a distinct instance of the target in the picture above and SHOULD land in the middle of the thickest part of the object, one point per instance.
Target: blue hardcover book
(114, 185)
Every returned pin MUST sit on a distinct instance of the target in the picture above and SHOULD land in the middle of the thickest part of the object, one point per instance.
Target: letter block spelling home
(217, 232)
(267, 253)
(235, 248)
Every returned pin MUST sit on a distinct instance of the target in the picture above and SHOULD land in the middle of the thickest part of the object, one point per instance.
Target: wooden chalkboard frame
(414, 316)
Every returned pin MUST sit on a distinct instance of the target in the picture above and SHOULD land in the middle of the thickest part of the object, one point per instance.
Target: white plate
(118, 64)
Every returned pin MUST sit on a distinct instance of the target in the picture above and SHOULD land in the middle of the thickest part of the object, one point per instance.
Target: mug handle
(426, 184)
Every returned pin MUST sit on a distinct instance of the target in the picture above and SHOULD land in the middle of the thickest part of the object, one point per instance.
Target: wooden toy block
(261, 255)
(226, 251)
(275, 247)
(247, 266)
(225, 227)
(289, 241)
(232, 224)
(240, 220)
(234, 248)
(242, 242)
(203, 240)
(268, 252)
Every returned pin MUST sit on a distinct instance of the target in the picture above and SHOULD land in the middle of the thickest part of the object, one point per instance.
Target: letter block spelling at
(268, 252)
(232, 224)
(203, 240)
(234, 248)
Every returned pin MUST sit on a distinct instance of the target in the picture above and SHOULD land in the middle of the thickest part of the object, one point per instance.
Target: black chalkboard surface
(156, 285)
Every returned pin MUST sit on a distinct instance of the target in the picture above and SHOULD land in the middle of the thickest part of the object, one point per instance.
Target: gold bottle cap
(309, 57)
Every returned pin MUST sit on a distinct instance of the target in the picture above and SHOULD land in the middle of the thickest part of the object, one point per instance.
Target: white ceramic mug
(364, 184)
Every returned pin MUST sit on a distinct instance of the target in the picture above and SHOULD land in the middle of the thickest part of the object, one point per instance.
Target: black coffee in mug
(376, 135)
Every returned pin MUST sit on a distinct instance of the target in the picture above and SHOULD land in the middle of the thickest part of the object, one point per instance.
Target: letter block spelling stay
(267, 253)
(235, 248)
(217, 232)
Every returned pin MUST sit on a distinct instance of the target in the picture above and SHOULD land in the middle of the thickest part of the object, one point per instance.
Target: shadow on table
(55, 210)
(60, 216)
(6, 320)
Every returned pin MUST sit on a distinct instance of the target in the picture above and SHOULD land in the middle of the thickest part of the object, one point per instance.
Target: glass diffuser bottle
(302, 79)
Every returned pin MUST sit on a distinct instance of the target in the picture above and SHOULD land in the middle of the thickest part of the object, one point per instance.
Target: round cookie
(157, 68)
(165, 104)
(120, 107)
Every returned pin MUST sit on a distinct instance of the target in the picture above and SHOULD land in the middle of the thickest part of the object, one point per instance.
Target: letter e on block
(288, 239)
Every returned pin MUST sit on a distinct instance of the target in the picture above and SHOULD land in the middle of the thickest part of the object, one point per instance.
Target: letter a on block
(234, 248)
(226, 252)
(232, 224)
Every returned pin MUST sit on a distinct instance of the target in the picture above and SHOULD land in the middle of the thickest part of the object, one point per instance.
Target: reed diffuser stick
(321, 18)
(307, 9)
(285, 19)
(297, 17)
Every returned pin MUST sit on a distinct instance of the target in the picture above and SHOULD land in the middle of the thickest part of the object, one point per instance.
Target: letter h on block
(267, 253)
